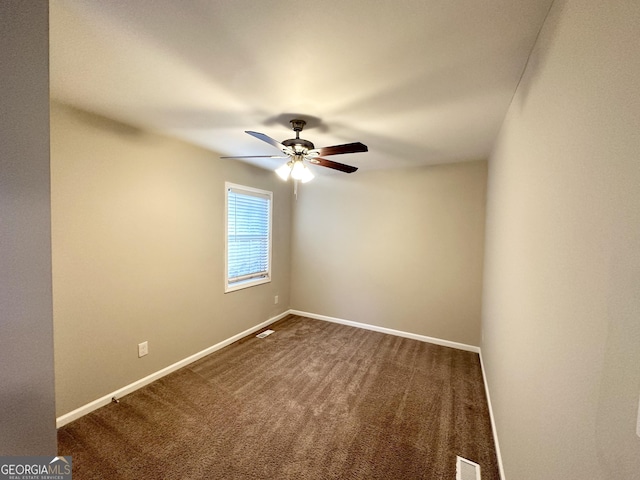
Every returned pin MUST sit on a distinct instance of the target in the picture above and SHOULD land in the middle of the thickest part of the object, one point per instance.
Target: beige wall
(138, 251)
(27, 417)
(561, 304)
(400, 249)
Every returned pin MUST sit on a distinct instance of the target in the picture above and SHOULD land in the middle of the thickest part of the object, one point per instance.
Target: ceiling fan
(300, 151)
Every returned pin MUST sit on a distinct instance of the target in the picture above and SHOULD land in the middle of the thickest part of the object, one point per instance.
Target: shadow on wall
(103, 123)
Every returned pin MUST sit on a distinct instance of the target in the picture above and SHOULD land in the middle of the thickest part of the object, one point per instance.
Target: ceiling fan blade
(258, 156)
(355, 147)
(323, 162)
(265, 138)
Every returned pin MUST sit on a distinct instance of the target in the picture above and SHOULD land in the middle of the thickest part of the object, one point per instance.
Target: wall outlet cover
(143, 349)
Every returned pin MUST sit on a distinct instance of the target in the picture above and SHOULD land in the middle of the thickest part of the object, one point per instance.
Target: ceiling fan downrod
(297, 125)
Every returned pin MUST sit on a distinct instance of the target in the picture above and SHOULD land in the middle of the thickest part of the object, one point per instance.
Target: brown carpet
(315, 400)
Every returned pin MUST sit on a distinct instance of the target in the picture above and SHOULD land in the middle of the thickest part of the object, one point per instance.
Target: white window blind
(248, 236)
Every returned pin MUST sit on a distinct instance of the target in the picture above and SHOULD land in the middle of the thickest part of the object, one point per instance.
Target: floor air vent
(265, 333)
(466, 469)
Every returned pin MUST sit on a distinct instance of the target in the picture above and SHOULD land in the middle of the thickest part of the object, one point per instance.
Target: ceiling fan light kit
(295, 169)
(300, 151)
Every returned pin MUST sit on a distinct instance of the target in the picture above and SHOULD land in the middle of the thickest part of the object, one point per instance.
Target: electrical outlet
(143, 349)
(275, 300)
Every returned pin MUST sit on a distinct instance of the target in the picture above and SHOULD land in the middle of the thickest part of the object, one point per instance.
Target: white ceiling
(419, 81)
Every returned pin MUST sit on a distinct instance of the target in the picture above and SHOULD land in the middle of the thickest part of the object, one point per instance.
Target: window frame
(251, 282)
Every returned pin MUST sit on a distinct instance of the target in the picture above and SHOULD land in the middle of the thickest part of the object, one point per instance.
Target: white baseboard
(390, 331)
(493, 422)
(105, 400)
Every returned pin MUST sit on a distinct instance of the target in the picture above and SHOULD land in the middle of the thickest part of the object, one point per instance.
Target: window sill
(246, 284)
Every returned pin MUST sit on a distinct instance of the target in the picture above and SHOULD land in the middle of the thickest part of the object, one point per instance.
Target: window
(248, 237)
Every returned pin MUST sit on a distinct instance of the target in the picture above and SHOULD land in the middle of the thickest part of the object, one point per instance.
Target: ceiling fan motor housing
(298, 144)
